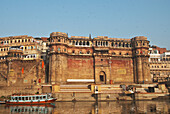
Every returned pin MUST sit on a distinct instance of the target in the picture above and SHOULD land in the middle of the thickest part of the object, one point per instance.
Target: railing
(161, 79)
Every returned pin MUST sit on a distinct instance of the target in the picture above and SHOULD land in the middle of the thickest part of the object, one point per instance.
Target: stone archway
(102, 77)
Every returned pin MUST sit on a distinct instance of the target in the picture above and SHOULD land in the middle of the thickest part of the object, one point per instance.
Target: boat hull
(34, 102)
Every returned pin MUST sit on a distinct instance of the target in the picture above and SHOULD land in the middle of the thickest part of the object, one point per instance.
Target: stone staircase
(143, 88)
(87, 88)
(75, 88)
(111, 88)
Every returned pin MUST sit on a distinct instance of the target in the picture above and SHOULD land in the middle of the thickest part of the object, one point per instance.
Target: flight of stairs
(111, 88)
(75, 88)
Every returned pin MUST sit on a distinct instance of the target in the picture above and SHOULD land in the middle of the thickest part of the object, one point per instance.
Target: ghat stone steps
(74, 88)
(87, 88)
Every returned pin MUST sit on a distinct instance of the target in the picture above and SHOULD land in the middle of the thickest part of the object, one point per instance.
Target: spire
(89, 36)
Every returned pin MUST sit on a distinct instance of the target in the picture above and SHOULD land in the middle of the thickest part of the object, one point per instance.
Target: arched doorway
(102, 77)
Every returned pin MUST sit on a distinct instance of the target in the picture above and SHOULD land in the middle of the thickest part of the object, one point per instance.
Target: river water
(115, 107)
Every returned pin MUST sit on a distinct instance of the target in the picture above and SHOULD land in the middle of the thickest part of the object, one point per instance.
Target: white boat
(30, 99)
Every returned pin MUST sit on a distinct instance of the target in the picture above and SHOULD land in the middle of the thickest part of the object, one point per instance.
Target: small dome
(58, 34)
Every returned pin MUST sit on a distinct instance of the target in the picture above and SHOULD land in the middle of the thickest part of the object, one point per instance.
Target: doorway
(102, 77)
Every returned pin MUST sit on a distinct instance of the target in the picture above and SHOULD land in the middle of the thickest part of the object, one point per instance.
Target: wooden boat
(31, 99)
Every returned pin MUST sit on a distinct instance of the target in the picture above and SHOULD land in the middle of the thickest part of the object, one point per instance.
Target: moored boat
(31, 99)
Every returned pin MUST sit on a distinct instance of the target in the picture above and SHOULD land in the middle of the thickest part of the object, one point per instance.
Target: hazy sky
(112, 18)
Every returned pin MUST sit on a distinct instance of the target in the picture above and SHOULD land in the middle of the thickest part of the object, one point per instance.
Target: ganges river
(114, 107)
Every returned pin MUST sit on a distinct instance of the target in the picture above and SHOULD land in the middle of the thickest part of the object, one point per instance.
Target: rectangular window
(44, 97)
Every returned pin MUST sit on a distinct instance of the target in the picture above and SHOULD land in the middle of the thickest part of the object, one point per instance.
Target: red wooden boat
(31, 99)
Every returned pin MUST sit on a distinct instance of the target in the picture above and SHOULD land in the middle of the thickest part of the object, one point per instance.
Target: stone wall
(20, 72)
(80, 67)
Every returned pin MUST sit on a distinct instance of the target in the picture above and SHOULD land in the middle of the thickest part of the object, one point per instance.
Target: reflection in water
(114, 107)
(38, 109)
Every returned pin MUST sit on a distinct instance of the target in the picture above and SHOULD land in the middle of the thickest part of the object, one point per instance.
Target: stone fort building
(99, 60)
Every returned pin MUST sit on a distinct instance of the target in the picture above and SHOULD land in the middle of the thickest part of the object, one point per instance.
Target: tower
(58, 57)
(141, 60)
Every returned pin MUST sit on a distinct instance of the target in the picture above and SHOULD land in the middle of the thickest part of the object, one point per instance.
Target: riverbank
(96, 92)
(93, 92)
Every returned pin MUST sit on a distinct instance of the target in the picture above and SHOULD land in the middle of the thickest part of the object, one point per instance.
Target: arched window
(76, 42)
(96, 43)
(80, 43)
(127, 45)
(120, 45)
(116, 44)
(120, 53)
(58, 49)
(84, 43)
(103, 43)
(88, 43)
(136, 44)
(73, 42)
(123, 44)
(106, 43)
(112, 44)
